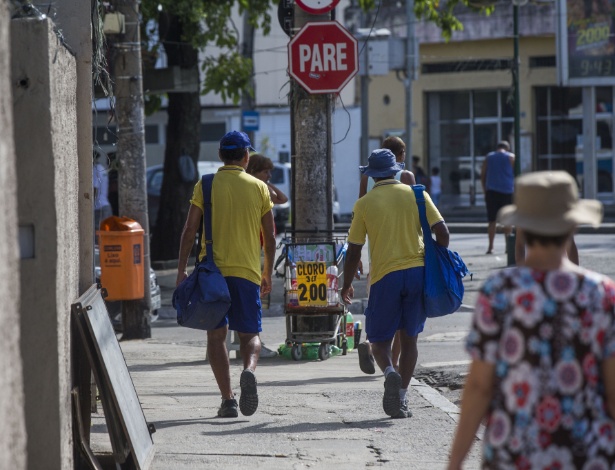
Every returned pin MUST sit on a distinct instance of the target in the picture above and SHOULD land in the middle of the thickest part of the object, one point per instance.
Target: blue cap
(381, 164)
(236, 140)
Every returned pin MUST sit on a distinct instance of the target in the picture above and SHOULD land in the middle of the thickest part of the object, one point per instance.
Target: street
(313, 414)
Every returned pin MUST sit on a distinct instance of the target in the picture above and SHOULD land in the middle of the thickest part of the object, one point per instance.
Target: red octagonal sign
(323, 57)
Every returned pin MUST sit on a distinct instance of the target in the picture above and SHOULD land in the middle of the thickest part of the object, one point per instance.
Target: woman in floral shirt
(543, 345)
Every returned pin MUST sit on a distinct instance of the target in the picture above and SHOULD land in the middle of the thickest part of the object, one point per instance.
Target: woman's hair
(258, 163)
(544, 240)
(394, 144)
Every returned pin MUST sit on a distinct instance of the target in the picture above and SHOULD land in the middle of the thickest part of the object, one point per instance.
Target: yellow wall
(392, 116)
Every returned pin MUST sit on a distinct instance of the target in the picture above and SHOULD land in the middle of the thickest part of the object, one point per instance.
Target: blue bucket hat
(236, 140)
(381, 164)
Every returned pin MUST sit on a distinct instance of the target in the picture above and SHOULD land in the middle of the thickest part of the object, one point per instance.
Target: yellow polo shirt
(239, 202)
(389, 215)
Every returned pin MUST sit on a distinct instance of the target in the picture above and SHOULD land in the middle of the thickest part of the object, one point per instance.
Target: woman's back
(547, 333)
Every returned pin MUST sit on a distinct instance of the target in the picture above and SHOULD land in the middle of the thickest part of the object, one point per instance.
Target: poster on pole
(586, 42)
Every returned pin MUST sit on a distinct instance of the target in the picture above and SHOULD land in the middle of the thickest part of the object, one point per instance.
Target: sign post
(317, 7)
(323, 57)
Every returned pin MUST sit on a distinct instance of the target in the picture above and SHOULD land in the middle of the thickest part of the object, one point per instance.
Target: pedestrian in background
(260, 167)
(497, 178)
(542, 344)
(420, 175)
(398, 147)
(240, 211)
(100, 183)
(388, 215)
(436, 185)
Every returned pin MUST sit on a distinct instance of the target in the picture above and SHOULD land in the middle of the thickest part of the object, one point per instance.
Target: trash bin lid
(120, 224)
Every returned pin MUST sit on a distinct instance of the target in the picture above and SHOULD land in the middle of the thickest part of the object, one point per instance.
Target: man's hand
(181, 276)
(347, 294)
(265, 285)
(359, 271)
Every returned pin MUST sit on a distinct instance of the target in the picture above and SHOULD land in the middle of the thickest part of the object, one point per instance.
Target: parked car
(280, 177)
(115, 307)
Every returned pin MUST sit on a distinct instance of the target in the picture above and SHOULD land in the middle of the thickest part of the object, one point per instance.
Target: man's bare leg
(250, 349)
(396, 350)
(491, 233)
(408, 357)
(219, 361)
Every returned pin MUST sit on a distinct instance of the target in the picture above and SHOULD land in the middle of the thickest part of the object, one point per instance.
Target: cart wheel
(296, 353)
(323, 351)
(344, 347)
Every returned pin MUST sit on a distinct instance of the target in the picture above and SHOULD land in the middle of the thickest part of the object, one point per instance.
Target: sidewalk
(312, 414)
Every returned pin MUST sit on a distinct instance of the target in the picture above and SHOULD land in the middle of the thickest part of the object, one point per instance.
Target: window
(212, 131)
(464, 126)
(151, 134)
(106, 135)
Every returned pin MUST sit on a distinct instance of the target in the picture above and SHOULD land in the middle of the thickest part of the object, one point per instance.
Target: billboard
(586, 42)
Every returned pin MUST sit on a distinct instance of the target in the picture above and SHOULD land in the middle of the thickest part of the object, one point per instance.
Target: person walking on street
(260, 167)
(398, 147)
(542, 344)
(388, 215)
(241, 209)
(421, 176)
(497, 178)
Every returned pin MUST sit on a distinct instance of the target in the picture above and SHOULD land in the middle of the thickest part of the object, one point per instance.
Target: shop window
(485, 104)
(212, 131)
(455, 105)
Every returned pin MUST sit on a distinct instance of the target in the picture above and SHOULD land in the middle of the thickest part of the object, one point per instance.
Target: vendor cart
(313, 307)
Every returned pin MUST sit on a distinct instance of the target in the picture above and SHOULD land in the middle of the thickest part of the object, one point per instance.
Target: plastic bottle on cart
(349, 331)
(294, 299)
(332, 293)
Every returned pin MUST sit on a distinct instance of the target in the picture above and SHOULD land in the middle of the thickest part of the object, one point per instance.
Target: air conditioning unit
(114, 23)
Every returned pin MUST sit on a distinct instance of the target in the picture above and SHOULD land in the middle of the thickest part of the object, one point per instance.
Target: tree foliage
(209, 23)
(441, 12)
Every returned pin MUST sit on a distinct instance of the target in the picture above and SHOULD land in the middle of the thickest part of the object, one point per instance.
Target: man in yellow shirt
(241, 207)
(389, 215)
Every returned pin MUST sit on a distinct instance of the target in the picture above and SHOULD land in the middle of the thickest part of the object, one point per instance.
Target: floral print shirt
(547, 334)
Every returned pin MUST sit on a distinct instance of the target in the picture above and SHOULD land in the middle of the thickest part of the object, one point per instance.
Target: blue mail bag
(203, 299)
(444, 269)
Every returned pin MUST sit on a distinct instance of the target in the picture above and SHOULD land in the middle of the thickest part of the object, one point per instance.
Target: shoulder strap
(420, 202)
(206, 184)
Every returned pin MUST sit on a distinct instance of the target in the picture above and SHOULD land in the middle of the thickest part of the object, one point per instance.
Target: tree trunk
(183, 138)
(131, 154)
(247, 50)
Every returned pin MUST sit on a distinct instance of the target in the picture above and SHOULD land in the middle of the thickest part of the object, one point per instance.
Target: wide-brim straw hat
(547, 203)
(381, 164)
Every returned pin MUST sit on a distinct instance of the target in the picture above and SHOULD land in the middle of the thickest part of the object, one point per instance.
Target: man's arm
(353, 257)
(440, 230)
(475, 401)
(191, 226)
(363, 185)
(511, 157)
(407, 177)
(268, 228)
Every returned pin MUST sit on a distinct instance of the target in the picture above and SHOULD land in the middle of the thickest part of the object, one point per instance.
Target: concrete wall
(44, 92)
(12, 418)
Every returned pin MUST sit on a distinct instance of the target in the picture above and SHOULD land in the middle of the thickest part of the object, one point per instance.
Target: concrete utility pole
(247, 50)
(131, 153)
(410, 72)
(312, 166)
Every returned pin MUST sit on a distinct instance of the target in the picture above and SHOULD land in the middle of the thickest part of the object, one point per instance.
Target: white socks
(402, 394)
(388, 370)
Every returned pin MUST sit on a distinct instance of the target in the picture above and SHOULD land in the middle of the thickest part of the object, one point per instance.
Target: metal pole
(365, 104)
(517, 143)
(410, 58)
(590, 183)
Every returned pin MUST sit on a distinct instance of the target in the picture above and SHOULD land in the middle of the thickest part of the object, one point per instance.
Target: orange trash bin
(121, 258)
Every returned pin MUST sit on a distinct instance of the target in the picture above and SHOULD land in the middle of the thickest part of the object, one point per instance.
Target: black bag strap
(420, 202)
(206, 184)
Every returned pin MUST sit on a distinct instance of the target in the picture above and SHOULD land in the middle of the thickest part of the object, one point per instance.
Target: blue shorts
(395, 302)
(244, 314)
